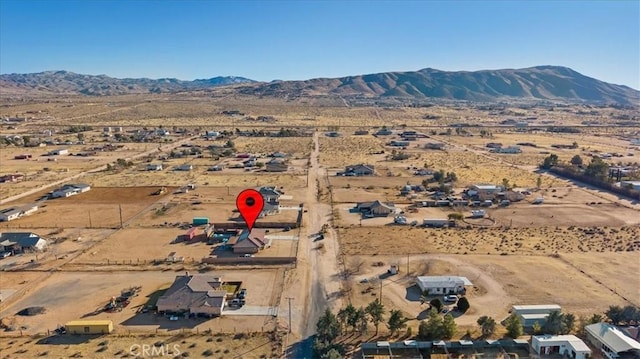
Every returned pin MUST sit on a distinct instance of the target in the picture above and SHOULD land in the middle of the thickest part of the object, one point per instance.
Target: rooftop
(443, 279)
(613, 337)
(576, 343)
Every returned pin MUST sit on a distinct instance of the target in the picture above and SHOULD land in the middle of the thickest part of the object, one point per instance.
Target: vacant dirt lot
(100, 207)
(401, 240)
(251, 346)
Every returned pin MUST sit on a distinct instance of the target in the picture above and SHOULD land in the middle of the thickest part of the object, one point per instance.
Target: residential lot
(87, 291)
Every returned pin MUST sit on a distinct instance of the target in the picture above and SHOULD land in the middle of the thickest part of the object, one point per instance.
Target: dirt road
(315, 284)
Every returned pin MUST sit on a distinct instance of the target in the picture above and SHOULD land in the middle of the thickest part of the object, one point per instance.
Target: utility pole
(407, 264)
(90, 225)
(289, 299)
(120, 208)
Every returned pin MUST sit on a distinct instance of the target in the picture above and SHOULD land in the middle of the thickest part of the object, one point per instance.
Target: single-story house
(510, 149)
(375, 208)
(484, 188)
(198, 294)
(443, 284)
(566, 345)
(611, 341)
(434, 146)
(359, 170)
(11, 177)
(395, 143)
(278, 155)
(21, 242)
(251, 242)
(154, 167)
(184, 167)
(384, 132)
(276, 165)
(58, 152)
(12, 213)
(9, 214)
(211, 134)
(70, 190)
(270, 194)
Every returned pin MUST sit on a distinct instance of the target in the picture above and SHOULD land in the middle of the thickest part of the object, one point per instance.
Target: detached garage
(89, 327)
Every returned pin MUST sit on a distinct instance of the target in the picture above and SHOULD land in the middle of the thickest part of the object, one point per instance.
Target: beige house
(197, 294)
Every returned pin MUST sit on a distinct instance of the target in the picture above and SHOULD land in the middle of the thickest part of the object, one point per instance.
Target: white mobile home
(70, 190)
(442, 284)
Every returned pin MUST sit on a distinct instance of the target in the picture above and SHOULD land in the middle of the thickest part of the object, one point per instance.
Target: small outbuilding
(568, 346)
(89, 327)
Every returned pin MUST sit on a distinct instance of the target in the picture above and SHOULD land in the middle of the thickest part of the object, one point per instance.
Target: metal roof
(573, 341)
(612, 337)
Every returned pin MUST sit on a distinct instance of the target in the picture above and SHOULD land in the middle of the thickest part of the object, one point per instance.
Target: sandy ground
(87, 291)
(498, 282)
(250, 346)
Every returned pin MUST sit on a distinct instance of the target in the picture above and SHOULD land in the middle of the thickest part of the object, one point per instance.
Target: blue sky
(294, 40)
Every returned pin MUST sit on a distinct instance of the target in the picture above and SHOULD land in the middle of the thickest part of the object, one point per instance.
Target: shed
(565, 345)
(191, 233)
(197, 221)
(89, 327)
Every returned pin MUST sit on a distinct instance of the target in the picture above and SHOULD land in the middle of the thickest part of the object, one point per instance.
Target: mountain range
(553, 83)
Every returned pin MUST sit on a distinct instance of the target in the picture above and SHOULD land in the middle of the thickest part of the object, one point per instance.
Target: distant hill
(554, 83)
(64, 82)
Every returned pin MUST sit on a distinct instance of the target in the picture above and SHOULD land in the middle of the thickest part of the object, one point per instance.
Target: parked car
(5, 254)
(173, 317)
(450, 298)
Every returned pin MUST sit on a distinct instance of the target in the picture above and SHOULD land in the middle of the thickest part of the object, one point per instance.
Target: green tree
(597, 168)
(463, 304)
(568, 323)
(354, 317)
(363, 322)
(431, 328)
(327, 327)
(487, 325)
(333, 353)
(448, 327)
(424, 297)
(342, 316)
(396, 321)
(375, 310)
(514, 326)
(436, 303)
(26, 140)
(537, 329)
(549, 161)
(614, 313)
(505, 183)
(576, 160)
(596, 318)
(553, 323)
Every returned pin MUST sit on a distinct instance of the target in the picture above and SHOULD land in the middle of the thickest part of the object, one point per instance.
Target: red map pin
(250, 203)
